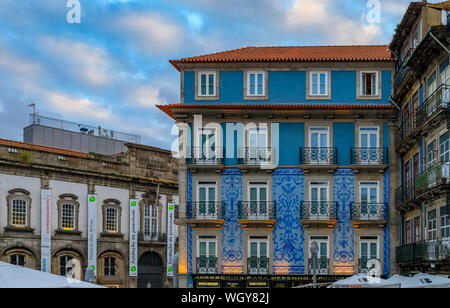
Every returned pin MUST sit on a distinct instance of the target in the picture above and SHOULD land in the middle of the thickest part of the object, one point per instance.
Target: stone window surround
(20, 194)
(119, 277)
(112, 203)
(197, 85)
(68, 199)
(265, 95)
(150, 200)
(359, 95)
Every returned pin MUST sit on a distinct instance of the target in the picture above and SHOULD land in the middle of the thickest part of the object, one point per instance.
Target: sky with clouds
(112, 68)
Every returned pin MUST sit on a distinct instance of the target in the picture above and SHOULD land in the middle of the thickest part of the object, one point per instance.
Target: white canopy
(12, 276)
(364, 281)
(421, 280)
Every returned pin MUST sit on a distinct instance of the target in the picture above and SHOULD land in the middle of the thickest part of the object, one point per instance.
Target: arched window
(68, 263)
(110, 267)
(18, 259)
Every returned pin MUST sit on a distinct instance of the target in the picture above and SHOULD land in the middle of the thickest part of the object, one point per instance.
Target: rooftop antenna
(34, 112)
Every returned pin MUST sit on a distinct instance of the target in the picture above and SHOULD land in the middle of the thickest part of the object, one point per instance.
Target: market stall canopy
(364, 281)
(421, 280)
(13, 276)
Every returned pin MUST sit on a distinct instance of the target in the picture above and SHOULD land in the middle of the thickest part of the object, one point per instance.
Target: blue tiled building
(283, 148)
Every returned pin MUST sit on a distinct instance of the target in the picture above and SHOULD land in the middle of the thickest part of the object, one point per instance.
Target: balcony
(206, 265)
(258, 266)
(318, 159)
(322, 266)
(318, 214)
(257, 214)
(368, 214)
(435, 180)
(364, 266)
(433, 109)
(206, 214)
(369, 158)
(204, 157)
(404, 73)
(420, 255)
(405, 196)
(255, 156)
(152, 237)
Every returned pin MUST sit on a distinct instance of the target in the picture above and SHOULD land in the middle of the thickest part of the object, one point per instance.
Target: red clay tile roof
(29, 146)
(295, 54)
(168, 108)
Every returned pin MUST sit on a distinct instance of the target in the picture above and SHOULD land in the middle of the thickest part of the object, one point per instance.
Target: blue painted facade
(289, 183)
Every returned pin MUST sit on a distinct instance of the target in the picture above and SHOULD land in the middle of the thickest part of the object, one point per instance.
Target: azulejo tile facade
(283, 153)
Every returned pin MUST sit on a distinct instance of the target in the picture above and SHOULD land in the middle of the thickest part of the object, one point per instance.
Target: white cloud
(147, 96)
(91, 65)
(79, 107)
(149, 31)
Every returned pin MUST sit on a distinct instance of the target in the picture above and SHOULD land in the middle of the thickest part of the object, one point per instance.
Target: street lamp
(314, 251)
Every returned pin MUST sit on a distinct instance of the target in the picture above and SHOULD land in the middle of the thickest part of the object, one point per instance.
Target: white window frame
(369, 241)
(374, 87)
(435, 229)
(319, 185)
(256, 131)
(198, 141)
(199, 83)
(373, 128)
(152, 220)
(318, 73)
(258, 241)
(209, 239)
(263, 86)
(369, 185)
(258, 185)
(207, 185)
(315, 129)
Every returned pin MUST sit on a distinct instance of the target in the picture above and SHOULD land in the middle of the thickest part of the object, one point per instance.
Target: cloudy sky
(112, 68)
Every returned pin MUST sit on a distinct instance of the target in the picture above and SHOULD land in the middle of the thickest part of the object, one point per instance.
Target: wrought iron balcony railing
(152, 237)
(402, 72)
(255, 155)
(318, 156)
(205, 210)
(364, 266)
(322, 265)
(404, 193)
(206, 265)
(369, 156)
(318, 210)
(367, 211)
(257, 210)
(258, 266)
(435, 103)
(206, 156)
(433, 176)
(424, 251)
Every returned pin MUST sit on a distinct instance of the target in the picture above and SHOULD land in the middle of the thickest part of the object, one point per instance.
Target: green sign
(92, 199)
(133, 268)
(93, 267)
(133, 203)
(171, 207)
(170, 269)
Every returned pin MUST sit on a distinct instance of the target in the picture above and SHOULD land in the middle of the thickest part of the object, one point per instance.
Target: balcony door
(368, 250)
(319, 200)
(207, 196)
(257, 144)
(322, 265)
(319, 141)
(369, 144)
(207, 255)
(258, 201)
(258, 249)
(206, 146)
(368, 195)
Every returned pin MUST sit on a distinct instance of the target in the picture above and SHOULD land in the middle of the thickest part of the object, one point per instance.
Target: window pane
(252, 84)
(322, 84)
(263, 249)
(19, 212)
(260, 84)
(315, 82)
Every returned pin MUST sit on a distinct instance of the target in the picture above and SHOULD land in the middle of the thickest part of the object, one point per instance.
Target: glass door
(258, 255)
(319, 143)
(207, 255)
(257, 144)
(322, 264)
(319, 200)
(258, 208)
(368, 142)
(368, 195)
(368, 251)
(206, 206)
(207, 146)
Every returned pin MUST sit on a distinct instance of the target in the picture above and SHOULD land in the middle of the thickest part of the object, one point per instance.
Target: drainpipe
(439, 42)
(393, 103)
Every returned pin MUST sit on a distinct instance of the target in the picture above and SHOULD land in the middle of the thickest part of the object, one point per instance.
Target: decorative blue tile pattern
(189, 228)
(232, 235)
(288, 235)
(344, 240)
(386, 235)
